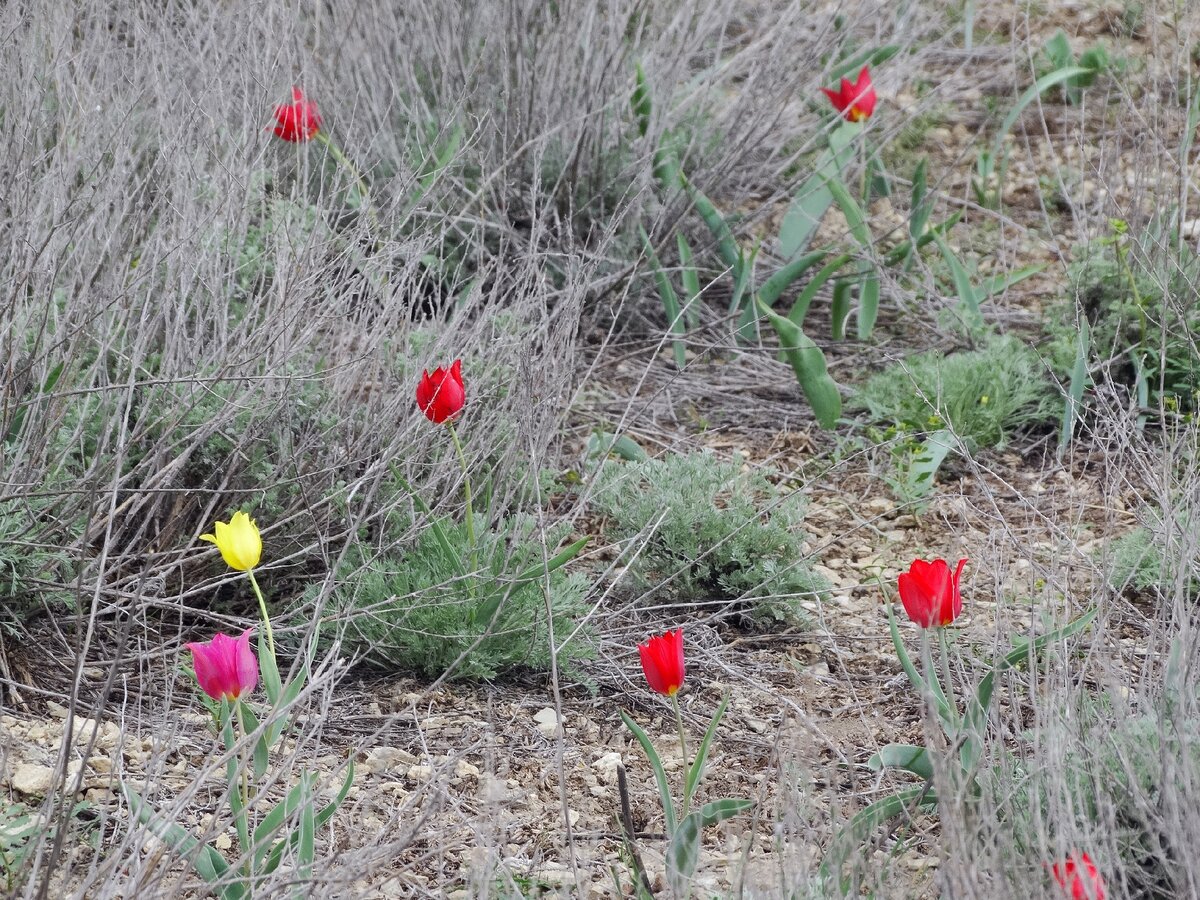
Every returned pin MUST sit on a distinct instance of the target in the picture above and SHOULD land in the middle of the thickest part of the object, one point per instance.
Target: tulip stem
(470, 512)
(682, 749)
(262, 607)
(344, 161)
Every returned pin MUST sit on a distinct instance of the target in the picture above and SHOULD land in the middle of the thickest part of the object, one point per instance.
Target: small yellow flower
(238, 540)
(983, 401)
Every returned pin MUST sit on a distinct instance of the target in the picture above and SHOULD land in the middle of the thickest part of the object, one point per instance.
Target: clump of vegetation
(1142, 322)
(1144, 560)
(35, 572)
(418, 609)
(983, 395)
(712, 528)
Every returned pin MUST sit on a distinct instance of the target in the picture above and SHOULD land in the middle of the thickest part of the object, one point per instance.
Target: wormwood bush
(1144, 561)
(983, 395)
(413, 609)
(34, 572)
(716, 530)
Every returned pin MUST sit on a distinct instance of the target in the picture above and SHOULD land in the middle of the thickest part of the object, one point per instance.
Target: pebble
(32, 780)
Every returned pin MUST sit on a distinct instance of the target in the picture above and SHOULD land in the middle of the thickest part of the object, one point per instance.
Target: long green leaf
(204, 859)
(660, 775)
(434, 523)
(640, 101)
(839, 310)
(492, 600)
(727, 247)
(998, 284)
(856, 219)
(872, 56)
(903, 756)
(774, 286)
(962, 280)
(932, 687)
(306, 845)
(800, 308)
(276, 854)
(808, 362)
(1035, 90)
(813, 199)
(902, 250)
(977, 709)
(690, 277)
(928, 459)
(856, 831)
(684, 850)
(269, 669)
(670, 301)
(696, 770)
(1078, 384)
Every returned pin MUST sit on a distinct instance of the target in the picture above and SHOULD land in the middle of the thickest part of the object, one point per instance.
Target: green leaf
(727, 247)
(1078, 384)
(276, 854)
(800, 308)
(204, 859)
(306, 849)
(670, 301)
(998, 284)
(774, 286)
(696, 770)
(962, 280)
(690, 277)
(928, 459)
(977, 710)
(859, 828)
(269, 669)
(932, 688)
(808, 362)
(1035, 90)
(903, 756)
(868, 305)
(813, 199)
(261, 747)
(839, 310)
(435, 524)
(640, 101)
(684, 850)
(660, 775)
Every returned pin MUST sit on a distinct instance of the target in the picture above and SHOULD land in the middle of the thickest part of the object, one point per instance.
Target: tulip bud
(238, 540)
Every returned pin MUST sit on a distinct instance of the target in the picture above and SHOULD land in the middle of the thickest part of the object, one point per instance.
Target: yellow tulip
(238, 540)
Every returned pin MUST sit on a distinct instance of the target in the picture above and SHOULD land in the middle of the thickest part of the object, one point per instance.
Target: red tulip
(441, 396)
(1079, 876)
(854, 100)
(225, 667)
(930, 592)
(299, 120)
(662, 661)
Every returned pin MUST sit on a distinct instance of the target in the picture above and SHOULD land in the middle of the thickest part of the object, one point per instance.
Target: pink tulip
(225, 667)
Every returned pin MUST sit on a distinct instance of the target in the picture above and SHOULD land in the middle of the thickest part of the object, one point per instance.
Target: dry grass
(197, 320)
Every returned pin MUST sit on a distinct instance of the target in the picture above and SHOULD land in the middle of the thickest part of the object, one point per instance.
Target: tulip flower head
(299, 120)
(662, 662)
(1079, 877)
(929, 592)
(441, 395)
(855, 100)
(238, 540)
(225, 667)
